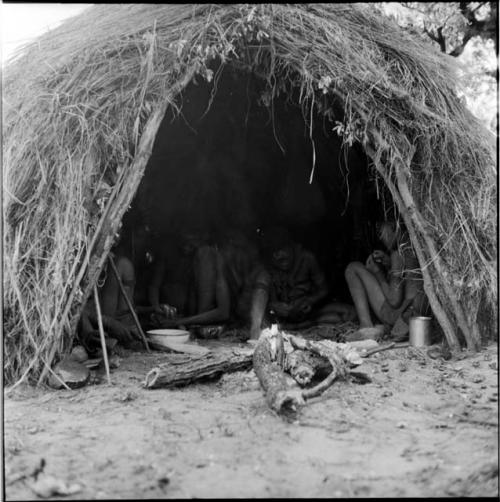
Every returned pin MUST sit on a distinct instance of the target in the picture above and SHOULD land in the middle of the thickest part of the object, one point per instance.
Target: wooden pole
(129, 303)
(101, 333)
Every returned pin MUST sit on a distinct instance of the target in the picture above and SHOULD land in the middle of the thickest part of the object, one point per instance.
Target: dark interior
(225, 160)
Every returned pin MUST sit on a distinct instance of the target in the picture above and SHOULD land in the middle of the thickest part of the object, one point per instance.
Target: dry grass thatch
(76, 103)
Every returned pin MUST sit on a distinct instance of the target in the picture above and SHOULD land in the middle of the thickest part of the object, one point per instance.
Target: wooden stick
(129, 303)
(378, 349)
(101, 332)
(321, 387)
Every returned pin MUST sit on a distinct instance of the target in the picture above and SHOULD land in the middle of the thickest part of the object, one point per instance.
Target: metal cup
(420, 331)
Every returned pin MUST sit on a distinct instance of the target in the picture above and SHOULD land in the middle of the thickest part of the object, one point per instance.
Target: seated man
(292, 286)
(241, 267)
(117, 320)
(191, 280)
(390, 283)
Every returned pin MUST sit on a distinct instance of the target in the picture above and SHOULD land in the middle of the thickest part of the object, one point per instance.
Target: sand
(422, 428)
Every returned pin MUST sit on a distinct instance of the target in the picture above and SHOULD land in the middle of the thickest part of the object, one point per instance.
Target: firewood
(195, 368)
(304, 366)
(276, 353)
(269, 371)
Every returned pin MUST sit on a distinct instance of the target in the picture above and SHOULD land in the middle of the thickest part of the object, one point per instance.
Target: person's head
(388, 232)
(190, 240)
(235, 237)
(279, 247)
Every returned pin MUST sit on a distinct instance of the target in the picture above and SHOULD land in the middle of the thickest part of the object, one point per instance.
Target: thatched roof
(78, 100)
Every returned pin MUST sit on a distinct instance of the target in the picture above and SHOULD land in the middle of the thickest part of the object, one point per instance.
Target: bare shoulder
(308, 258)
(124, 265)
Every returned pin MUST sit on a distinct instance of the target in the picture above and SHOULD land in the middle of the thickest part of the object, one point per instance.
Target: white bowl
(168, 335)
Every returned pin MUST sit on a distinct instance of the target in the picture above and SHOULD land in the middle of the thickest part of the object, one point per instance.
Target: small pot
(420, 331)
(209, 332)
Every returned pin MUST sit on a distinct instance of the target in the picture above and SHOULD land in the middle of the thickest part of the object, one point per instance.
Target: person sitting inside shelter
(389, 282)
(292, 286)
(242, 265)
(189, 281)
(118, 322)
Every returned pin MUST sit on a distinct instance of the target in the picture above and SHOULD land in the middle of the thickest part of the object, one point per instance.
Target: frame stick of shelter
(101, 333)
(129, 303)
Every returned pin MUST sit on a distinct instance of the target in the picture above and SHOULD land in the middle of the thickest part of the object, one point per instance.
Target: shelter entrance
(226, 157)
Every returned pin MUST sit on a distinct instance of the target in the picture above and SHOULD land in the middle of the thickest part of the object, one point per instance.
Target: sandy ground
(423, 428)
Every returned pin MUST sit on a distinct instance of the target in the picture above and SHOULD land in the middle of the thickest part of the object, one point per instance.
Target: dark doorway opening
(227, 157)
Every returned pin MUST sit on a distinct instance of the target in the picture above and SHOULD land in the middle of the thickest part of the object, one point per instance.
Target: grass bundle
(78, 100)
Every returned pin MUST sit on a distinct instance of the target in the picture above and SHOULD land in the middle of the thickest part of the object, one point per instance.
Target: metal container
(420, 331)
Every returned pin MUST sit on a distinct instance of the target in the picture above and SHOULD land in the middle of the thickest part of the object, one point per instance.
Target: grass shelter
(228, 113)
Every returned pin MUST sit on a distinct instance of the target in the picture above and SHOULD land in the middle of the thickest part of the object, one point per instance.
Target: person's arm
(413, 281)
(126, 273)
(222, 297)
(319, 288)
(392, 284)
(154, 286)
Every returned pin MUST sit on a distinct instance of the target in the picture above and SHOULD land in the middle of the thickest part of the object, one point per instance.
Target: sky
(21, 22)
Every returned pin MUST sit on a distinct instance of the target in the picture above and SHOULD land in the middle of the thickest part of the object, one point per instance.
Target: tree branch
(437, 38)
(460, 48)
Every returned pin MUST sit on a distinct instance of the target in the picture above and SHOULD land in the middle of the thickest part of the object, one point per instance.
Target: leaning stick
(101, 333)
(129, 303)
(378, 349)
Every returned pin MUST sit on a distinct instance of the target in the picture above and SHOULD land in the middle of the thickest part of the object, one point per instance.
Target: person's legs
(260, 298)
(365, 292)
(335, 312)
(86, 331)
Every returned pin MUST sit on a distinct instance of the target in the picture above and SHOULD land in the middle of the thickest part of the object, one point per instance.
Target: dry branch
(271, 360)
(195, 368)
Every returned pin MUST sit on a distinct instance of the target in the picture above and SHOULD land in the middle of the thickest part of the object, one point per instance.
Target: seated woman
(190, 278)
(389, 282)
(293, 287)
(117, 320)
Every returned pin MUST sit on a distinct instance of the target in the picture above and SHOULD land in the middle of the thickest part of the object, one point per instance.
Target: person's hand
(281, 308)
(303, 306)
(381, 257)
(396, 263)
(169, 311)
(372, 266)
(157, 309)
